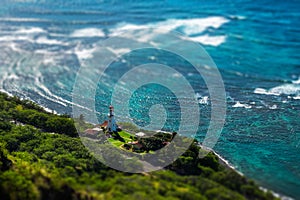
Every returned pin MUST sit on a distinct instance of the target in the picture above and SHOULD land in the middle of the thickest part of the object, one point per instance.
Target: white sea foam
(16, 19)
(9, 38)
(227, 163)
(29, 35)
(49, 110)
(126, 28)
(273, 107)
(264, 91)
(223, 160)
(56, 98)
(83, 52)
(296, 97)
(88, 32)
(49, 98)
(239, 17)
(45, 40)
(4, 91)
(209, 40)
(292, 90)
(204, 100)
(285, 89)
(30, 30)
(119, 51)
(15, 47)
(240, 105)
(296, 81)
(191, 28)
(152, 57)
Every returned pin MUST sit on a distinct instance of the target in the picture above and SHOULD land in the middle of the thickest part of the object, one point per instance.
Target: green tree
(5, 163)
(61, 125)
(16, 186)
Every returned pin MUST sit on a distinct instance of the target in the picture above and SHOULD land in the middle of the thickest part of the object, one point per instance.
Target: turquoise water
(254, 44)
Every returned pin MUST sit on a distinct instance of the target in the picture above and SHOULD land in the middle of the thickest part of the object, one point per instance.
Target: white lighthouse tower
(112, 125)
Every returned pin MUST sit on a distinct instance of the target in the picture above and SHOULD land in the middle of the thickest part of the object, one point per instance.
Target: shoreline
(227, 164)
(222, 160)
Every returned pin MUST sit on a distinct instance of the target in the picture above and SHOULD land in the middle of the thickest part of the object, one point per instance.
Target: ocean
(254, 44)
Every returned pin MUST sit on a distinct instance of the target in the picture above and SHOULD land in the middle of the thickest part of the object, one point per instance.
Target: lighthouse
(111, 126)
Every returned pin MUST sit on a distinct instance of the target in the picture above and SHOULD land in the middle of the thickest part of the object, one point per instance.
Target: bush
(5, 163)
(61, 125)
(5, 126)
(210, 160)
(16, 186)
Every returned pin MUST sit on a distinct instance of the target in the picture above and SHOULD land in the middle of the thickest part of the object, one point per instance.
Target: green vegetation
(41, 157)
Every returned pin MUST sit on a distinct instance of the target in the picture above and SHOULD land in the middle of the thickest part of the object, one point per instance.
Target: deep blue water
(254, 44)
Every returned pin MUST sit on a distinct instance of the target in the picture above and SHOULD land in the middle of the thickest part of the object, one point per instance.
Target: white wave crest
(273, 107)
(88, 32)
(29, 35)
(119, 51)
(9, 38)
(264, 91)
(209, 40)
(204, 100)
(192, 28)
(285, 89)
(296, 81)
(30, 30)
(296, 97)
(45, 40)
(84, 53)
(238, 17)
(240, 105)
(15, 19)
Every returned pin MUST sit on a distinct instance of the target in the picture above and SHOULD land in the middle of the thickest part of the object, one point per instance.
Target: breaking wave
(292, 90)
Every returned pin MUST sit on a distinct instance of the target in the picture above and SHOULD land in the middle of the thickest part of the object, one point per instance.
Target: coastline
(227, 164)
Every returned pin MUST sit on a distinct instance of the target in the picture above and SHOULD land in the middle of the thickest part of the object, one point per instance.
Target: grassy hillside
(41, 157)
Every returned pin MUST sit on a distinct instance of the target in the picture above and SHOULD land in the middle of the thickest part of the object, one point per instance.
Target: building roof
(97, 129)
(140, 134)
(91, 131)
(104, 124)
